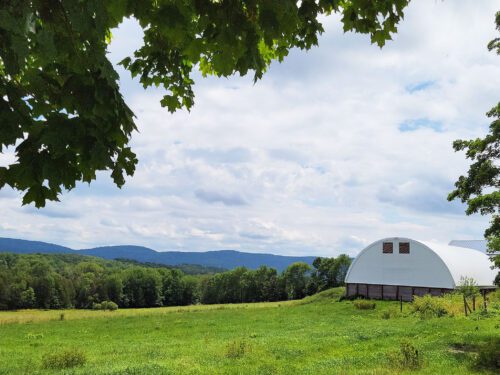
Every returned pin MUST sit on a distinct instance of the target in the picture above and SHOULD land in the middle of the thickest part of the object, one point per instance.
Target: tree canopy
(480, 187)
(60, 102)
(68, 280)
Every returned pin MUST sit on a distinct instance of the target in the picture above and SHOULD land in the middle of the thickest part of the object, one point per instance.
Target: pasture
(317, 335)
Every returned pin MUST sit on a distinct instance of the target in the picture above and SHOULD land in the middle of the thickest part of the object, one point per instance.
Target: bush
(494, 299)
(468, 287)
(429, 307)
(34, 336)
(408, 357)
(96, 306)
(65, 359)
(109, 305)
(105, 305)
(362, 304)
(386, 315)
(236, 349)
(488, 356)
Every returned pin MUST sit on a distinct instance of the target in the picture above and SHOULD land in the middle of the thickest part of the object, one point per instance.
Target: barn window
(387, 248)
(404, 248)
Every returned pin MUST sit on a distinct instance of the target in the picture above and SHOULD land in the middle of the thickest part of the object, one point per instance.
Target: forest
(58, 281)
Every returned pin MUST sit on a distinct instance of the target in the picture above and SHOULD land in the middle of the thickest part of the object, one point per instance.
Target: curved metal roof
(479, 245)
(462, 261)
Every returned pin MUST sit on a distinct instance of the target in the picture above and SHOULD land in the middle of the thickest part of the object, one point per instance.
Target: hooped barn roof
(427, 265)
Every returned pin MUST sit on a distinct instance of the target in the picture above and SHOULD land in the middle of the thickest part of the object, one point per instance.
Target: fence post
(400, 303)
(465, 306)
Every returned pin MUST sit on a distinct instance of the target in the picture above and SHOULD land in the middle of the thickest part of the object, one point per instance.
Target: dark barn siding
(374, 291)
(351, 289)
(362, 290)
(406, 292)
(391, 292)
(421, 291)
(436, 292)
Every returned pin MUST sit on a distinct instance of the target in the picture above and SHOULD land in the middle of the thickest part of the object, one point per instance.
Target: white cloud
(310, 160)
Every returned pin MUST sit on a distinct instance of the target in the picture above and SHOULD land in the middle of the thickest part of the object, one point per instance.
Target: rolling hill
(218, 258)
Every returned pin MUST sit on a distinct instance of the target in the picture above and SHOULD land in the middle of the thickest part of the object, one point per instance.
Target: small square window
(404, 248)
(387, 248)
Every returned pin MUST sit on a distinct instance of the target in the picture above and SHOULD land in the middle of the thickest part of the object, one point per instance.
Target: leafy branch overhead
(60, 103)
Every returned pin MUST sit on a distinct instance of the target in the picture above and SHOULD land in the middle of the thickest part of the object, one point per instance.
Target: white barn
(394, 268)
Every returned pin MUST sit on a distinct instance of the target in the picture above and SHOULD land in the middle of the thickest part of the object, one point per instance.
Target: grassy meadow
(317, 335)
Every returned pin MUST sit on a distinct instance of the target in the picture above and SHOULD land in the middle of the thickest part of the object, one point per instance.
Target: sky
(333, 149)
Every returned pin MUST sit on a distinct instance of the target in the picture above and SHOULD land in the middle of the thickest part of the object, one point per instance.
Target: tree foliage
(468, 287)
(480, 187)
(266, 285)
(55, 281)
(63, 281)
(330, 272)
(60, 103)
(295, 280)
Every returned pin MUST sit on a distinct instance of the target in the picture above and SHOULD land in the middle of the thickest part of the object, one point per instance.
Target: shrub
(429, 307)
(362, 304)
(494, 299)
(488, 356)
(105, 305)
(34, 336)
(109, 305)
(96, 306)
(65, 359)
(408, 357)
(494, 296)
(386, 315)
(468, 287)
(236, 349)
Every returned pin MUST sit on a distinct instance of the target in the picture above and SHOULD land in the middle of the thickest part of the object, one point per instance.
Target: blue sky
(333, 149)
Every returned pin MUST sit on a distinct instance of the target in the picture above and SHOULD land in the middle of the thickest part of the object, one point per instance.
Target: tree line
(59, 281)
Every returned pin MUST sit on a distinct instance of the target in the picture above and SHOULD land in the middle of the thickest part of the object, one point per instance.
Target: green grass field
(318, 335)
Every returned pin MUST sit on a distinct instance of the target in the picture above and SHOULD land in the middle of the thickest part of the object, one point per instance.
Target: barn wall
(374, 291)
(391, 292)
(406, 292)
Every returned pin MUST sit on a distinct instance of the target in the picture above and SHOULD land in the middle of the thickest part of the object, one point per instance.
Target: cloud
(420, 86)
(52, 211)
(420, 123)
(351, 244)
(254, 236)
(233, 155)
(228, 199)
(421, 196)
(288, 155)
(335, 148)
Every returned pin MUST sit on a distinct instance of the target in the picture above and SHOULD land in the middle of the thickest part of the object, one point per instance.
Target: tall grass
(362, 304)
(450, 304)
(408, 357)
(35, 316)
(64, 359)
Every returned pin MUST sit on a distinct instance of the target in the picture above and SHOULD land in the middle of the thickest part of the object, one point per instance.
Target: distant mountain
(13, 245)
(219, 258)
